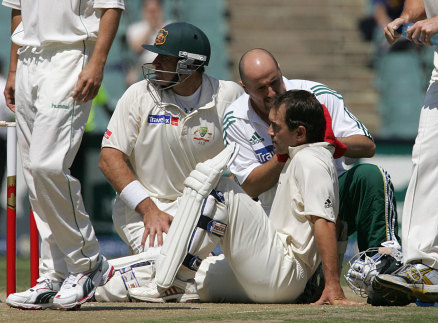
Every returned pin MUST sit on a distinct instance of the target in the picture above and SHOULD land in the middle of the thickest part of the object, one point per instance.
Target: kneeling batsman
(195, 211)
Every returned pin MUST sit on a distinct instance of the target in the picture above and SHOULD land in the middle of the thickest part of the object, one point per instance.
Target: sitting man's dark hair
(303, 109)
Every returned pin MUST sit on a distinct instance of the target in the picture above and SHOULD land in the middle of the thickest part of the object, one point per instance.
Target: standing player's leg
(52, 268)
(419, 277)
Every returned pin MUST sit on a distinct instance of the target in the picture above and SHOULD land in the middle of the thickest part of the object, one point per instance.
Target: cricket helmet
(184, 41)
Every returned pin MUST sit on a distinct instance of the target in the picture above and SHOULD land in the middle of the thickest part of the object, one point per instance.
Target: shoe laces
(70, 281)
(46, 283)
(413, 273)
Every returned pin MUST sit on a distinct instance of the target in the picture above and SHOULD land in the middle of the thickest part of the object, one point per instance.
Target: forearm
(380, 15)
(109, 23)
(15, 21)
(413, 10)
(325, 235)
(113, 165)
(263, 177)
(358, 146)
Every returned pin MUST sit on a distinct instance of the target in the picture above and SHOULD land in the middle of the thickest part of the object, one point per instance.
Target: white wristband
(133, 194)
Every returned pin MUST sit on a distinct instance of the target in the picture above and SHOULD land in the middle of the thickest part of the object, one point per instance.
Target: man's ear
(244, 87)
(301, 133)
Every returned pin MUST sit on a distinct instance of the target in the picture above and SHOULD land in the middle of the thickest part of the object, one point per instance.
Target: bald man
(367, 201)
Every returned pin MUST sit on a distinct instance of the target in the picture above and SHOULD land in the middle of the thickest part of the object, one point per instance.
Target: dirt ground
(209, 312)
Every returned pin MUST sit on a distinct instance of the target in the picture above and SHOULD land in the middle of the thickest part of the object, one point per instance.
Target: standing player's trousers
(420, 210)
(50, 124)
(368, 205)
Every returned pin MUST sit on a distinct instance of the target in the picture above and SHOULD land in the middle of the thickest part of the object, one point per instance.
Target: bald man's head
(261, 79)
(256, 59)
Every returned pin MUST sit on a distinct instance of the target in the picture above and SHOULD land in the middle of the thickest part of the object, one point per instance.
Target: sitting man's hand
(334, 295)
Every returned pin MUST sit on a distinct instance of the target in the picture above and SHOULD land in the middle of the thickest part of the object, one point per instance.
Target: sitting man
(285, 248)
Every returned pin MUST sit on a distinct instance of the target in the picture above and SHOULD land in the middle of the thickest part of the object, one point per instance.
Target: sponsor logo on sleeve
(264, 154)
(328, 203)
(108, 134)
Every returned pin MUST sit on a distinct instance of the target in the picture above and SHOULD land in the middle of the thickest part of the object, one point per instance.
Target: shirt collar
(294, 150)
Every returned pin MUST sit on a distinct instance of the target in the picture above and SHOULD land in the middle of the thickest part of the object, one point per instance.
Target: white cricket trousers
(130, 226)
(50, 125)
(255, 251)
(420, 210)
(258, 267)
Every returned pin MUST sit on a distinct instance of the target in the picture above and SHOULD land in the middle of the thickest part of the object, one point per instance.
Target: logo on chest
(202, 135)
(264, 154)
(255, 139)
(153, 118)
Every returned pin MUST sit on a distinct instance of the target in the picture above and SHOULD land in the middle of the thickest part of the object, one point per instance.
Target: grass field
(206, 312)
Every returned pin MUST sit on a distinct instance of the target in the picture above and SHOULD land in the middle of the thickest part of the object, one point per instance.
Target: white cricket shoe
(80, 287)
(38, 297)
(415, 280)
(186, 292)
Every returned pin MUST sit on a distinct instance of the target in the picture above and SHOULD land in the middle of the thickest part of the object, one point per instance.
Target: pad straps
(208, 224)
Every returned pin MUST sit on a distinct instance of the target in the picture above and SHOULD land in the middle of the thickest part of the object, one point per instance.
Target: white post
(11, 149)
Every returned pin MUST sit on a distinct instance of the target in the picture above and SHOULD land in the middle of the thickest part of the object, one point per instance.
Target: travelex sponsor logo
(152, 118)
(264, 154)
(255, 139)
(108, 134)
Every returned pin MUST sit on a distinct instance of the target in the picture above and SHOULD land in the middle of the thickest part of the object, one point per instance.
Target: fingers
(145, 236)
(85, 91)
(425, 38)
(9, 93)
(321, 302)
(159, 238)
(390, 30)
(414, 34)
(342, 301)
(10, 102)
(88, 84)
(345, 302)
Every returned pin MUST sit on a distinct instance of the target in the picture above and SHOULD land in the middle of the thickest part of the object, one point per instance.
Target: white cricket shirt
(308, 186)
(163, 143)
(58, 21)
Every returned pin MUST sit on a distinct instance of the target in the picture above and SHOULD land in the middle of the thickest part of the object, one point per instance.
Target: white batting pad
(201, 181)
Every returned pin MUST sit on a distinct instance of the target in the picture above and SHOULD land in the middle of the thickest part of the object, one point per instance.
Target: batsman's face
(281, 136)
(263, 87)
(165, 67)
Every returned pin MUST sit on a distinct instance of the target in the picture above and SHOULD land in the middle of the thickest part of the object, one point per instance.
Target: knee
(46, 168)
(368, 174)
